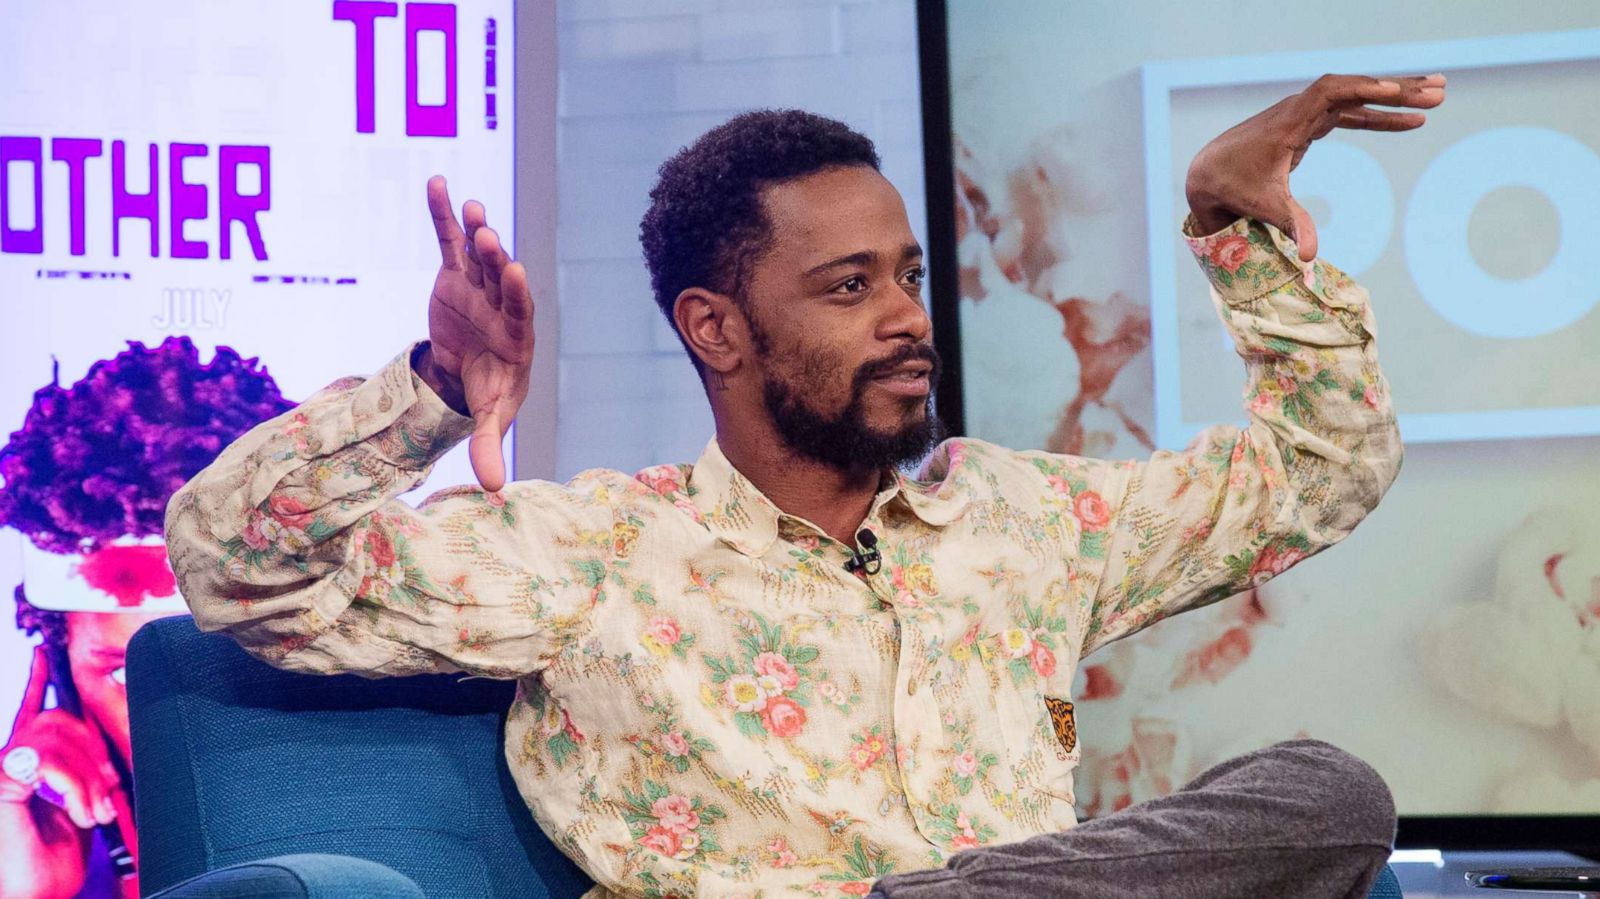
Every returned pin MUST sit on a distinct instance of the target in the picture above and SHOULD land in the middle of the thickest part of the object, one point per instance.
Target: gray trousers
(1298, 820)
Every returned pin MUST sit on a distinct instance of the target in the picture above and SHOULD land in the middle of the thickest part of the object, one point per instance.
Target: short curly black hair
(705, 226)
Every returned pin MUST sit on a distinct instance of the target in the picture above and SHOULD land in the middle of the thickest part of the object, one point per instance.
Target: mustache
(911, 352)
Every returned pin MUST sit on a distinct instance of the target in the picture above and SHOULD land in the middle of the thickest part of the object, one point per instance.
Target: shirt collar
(738, 513)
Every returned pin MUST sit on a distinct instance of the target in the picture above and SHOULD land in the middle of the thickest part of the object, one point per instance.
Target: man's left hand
(1245, 171)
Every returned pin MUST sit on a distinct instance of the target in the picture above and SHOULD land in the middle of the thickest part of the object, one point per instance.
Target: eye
(854, 284)
(119, 676)
(916, 276)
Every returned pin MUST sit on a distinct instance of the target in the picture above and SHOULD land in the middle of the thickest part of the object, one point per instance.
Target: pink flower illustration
(290, 511)
(775, 665)
(1230, 252)
(1091, 510)
(380, 548)
(1043, 660)
(957, 453)
(661, 841)
(831, 692)
(688, 508)
(966, 764)
(783, 717)
(676, 813)
(1272, 561)
(260, 531)
(782, 855)
(665, 629)
(867, 752)
(675, 745)
(663, 479)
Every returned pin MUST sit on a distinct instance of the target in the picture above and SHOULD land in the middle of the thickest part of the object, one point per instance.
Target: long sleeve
(293, 542)
(1241, 505)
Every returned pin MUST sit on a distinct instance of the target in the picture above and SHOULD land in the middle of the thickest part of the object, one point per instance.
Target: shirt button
(911, 687)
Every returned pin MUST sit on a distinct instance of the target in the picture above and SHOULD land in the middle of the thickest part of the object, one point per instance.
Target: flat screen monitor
(1453, 640)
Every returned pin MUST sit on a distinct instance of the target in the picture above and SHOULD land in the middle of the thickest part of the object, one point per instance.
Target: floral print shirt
(708, 702)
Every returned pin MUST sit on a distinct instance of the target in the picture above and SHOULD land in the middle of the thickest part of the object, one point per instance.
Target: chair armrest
(1387, 886)
(298, 877)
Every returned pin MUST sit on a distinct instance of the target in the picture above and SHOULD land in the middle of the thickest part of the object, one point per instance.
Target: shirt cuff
(1250, 263)
(416, 426)
(1246, 260)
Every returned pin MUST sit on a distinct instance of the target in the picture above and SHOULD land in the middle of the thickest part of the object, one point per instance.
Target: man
(789, 667)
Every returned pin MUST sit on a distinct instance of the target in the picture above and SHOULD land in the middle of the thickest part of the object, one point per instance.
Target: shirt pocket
(1047, 745)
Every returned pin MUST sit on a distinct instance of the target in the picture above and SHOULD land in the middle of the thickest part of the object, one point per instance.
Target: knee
(1341, 786)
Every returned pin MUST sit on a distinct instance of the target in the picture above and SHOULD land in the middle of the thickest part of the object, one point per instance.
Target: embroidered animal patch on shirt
(1061, 718)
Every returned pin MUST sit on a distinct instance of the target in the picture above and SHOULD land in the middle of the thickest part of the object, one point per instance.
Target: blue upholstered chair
(249, 781)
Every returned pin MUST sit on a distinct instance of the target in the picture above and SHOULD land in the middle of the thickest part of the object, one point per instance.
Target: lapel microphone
(867, 559)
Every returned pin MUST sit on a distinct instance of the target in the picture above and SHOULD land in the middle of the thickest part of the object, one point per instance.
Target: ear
(713, 326)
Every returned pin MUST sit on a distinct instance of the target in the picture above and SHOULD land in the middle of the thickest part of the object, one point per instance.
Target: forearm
(1241, 505)
(263, 536)
(1319, 406)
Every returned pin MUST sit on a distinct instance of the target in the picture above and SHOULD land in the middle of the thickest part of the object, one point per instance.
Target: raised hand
(1245, 171)
(480, 324)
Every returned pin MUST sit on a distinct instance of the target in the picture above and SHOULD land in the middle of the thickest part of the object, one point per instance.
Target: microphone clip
(867, 559)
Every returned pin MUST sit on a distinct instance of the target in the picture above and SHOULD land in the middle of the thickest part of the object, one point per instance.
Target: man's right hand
(480, 327)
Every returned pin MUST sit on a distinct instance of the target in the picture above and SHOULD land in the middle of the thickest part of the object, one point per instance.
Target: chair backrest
(235, 760)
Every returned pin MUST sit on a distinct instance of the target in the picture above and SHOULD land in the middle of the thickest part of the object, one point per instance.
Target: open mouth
(907, 380)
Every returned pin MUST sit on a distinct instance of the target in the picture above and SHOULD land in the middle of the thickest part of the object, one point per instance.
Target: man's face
(97, 650)
(840, 332)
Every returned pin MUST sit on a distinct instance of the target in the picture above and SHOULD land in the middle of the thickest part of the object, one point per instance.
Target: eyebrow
(864, 257)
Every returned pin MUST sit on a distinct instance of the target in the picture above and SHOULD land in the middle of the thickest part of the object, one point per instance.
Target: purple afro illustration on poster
(86, 480)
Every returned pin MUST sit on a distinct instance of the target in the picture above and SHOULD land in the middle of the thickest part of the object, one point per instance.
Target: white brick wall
(639, 79)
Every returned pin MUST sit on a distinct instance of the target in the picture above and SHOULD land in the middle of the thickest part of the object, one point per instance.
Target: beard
(845, 441)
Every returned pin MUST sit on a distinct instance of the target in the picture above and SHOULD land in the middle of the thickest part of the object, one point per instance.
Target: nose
(904, 316)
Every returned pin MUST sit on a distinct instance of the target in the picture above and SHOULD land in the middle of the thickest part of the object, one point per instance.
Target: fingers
(484, 450)
(472, 215)
(1365, 119)
(451, 238)
(517, 304)
(81, 789)
(1417, 92)
(494, 261)
(33, 695)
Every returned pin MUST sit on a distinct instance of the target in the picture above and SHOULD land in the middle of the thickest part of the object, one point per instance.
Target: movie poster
(1454, 640)
(207, 213)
